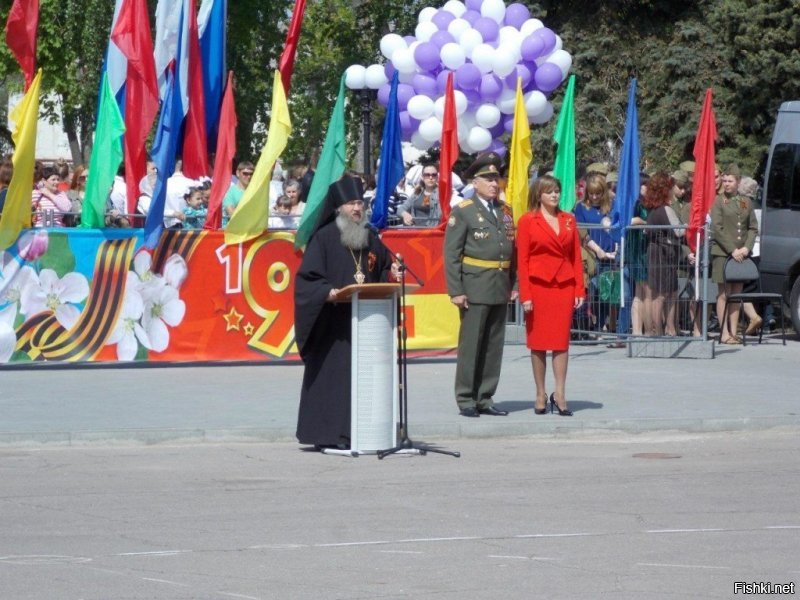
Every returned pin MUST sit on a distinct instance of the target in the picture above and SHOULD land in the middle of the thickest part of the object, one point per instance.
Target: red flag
(195, 156)
(23, 20)
(704, 188)
(286, 64)
(226, 150)
(449, 152)
(132, 35)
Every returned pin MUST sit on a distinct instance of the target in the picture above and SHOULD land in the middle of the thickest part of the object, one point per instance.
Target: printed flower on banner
(13, 280)
(164, 308)
(33, 244)
(128, 329)
(58, 295)
(142, 279)
(8, 338)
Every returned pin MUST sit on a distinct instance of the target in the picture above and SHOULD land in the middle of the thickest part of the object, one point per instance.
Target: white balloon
(494, 9)
(559, 43)
(461, 102)
(420, 142)
(544, 116)
(452, 56)
(391, 42)
(438, 108)
(403, 60)
(463, 131)
(431, 129)
(483, 57)
(463, 143)
(562, 59)
(407, 77)
(468, 118)
(425, 30)
(458, 27)
(355, 77)
(470, 40)
(535, 103)
(376, 77)
(510, 34)
(455, 7)
(479, 138)
(504, 61)
(487, 115)
(426, 14)
(529, 26)
(507, 101)
(420, 107)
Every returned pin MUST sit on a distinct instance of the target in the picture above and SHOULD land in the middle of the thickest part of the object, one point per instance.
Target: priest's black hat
(346, 189)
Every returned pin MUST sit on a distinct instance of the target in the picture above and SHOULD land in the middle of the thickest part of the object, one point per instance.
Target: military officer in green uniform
(733, 234)
(478, 251)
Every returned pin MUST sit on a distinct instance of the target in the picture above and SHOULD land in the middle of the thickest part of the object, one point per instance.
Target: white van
(780, 217)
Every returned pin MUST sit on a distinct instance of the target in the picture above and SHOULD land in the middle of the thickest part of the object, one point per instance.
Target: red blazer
(546, 257)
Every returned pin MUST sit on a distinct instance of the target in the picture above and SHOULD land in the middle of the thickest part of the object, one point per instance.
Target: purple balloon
(517, 14)
(389, 70)
(441, 81)
(409, 39)
(519, 71)
(426, 55)
(404, 93)
(473, 99)
(491, 87)
(548, 37)
(498, 129)
(425, 84)
(498, 147)
(440, 38)
(508, 123)
(468, 77)
(487, 27)
(532, 47)
(383, 94)
(548, 77)
(408, 124)
(531, 66)
(471, 16)
(474, 5)
(442, 19)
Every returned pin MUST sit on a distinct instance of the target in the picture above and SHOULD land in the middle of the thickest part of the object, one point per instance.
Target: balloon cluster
(487, 46)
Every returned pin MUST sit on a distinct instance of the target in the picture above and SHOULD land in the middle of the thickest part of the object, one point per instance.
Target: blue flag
(211, 23)
(628, 184)
(164, 151)
(391, 169)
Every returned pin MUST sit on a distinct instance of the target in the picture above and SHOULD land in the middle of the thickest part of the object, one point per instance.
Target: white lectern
(373, 368)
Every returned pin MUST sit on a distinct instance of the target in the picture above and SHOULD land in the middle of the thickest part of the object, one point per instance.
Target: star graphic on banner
(220, 302)
(249, 329)
(232, 318)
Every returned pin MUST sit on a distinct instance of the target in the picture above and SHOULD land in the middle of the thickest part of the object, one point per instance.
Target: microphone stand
(405, 445)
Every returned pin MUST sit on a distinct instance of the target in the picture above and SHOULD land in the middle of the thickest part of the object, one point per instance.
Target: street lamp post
(366, 95)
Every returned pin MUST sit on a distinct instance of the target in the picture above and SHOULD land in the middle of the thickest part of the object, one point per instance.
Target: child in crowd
(195, 212)
(283, 206)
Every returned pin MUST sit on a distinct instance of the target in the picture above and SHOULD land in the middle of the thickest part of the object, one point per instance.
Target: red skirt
(548, 324)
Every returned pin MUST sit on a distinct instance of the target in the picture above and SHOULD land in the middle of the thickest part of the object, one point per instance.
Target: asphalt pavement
(742, 388)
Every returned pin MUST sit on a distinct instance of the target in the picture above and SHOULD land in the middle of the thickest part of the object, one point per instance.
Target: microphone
(372, 228)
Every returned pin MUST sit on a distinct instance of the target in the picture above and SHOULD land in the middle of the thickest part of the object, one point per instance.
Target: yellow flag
(17, 210)
(521, 156)
(250, 218)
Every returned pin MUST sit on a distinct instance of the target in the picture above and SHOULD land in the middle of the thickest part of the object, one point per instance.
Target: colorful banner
(81, 295)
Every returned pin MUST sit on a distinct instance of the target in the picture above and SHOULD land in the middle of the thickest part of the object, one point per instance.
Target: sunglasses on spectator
(247, 173)
(430, 174)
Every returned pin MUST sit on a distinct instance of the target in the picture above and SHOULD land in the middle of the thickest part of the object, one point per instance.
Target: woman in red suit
(550, 286)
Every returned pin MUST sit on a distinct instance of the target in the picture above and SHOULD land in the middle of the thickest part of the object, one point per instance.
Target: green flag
(564, 168)
(106, 157)
(329, 169)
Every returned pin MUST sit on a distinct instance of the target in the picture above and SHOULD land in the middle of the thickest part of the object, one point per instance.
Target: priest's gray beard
(353, 235)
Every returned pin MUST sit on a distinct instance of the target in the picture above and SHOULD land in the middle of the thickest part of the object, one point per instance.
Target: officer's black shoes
(469, 412)
(495, 412)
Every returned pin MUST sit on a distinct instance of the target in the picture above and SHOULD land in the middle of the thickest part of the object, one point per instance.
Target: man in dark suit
(478, 252)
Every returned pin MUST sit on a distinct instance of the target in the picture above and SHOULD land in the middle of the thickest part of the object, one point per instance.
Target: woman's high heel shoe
(543, 410)
(563, 413)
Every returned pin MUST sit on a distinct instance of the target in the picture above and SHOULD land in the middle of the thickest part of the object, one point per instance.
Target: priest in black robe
(342, 251)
